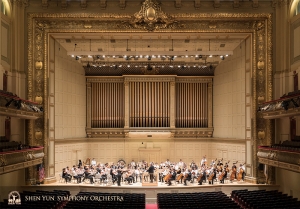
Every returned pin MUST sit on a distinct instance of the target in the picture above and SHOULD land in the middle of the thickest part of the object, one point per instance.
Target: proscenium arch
(258, 26)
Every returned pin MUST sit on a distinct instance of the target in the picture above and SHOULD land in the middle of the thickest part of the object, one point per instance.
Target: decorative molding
(149, 79)
(255, 4)
(217, 4)
(103, 4)
(259, 25)
(177, 4)
(83, 4)
(199, 79)
(45, 4)
(112, 79)
(122, 4)
(236, 4)
(151, 18)
(197, 4)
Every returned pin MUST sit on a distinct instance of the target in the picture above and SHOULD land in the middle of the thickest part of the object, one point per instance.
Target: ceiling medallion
(151, 18)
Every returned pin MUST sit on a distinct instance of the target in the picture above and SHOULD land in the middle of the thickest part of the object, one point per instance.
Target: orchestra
(138, 172)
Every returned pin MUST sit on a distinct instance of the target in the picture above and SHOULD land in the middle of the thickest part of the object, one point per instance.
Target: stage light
(222, 57)
(210, 55)
(72, 55)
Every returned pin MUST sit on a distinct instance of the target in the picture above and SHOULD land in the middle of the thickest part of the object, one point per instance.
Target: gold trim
(40, 25)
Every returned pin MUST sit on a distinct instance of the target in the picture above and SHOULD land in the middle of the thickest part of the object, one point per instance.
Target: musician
(128, 177)
(66, 176)
(151, 172)
(93, 162)
(188, 176)
(234, 169)
(132, 164)
(164, 173)
(203, 178)
(114, 175)
(203, 161)
(193, 165)
(76, 176)
(194, 174)
(137, 174)
(167, 162)
(242, 169)
(224, 173)
(173, 172)
(88, 175)
(120, 172)
(79, 163)
(214, 173)
(184, 171)
(180, 164)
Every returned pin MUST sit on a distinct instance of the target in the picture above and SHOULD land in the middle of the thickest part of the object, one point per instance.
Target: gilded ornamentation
(151, 18)
(2, 160)
(39, 99)
(38, 65)
(41, 24)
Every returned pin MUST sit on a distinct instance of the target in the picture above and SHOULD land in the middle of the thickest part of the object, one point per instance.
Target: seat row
(264, 199)
(195, 200)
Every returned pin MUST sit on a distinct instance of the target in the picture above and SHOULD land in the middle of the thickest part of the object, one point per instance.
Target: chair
(61, 179)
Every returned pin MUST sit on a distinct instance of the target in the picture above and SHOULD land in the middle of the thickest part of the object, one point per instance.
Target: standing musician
(242, 169)
(119, 175)
(173, 172)
(203, 161)
(233, 174)
(224, 174)
(187, 177)
(151, 172)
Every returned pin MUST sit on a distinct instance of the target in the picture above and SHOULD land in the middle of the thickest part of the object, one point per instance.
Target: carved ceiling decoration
(151, 18)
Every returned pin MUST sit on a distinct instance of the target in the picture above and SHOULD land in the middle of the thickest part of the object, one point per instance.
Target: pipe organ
(164, 102)
(149, 104)
(191, 105)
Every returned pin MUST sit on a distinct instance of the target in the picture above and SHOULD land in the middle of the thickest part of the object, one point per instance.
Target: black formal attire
(151, 173)
(188, 178)
(66, 176)
(172, 178)
(119, 177)
(87, 175)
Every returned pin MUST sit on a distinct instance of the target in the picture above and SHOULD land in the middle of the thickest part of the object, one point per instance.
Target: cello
(240, 175)
(223, 173)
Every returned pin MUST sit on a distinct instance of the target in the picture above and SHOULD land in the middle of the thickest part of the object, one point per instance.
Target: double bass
(223, 173)
(240, 175)
(233, 172)
(199, 176)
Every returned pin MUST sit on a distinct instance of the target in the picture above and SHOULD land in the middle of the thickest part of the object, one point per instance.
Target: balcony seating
(195, 200)
(264, 199)
(292, 146)
(12, 146)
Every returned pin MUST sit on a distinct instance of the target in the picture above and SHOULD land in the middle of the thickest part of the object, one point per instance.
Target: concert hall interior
(149, 81)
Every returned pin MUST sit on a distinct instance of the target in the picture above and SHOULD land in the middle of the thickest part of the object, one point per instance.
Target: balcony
(13, 106)
(278, 157)
(18, 159)
(286, 106)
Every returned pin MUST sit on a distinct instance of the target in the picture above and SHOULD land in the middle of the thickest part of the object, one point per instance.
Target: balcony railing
(19, 159)
(286, 159)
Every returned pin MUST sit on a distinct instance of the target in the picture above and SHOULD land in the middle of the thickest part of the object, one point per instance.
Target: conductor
(151, 172)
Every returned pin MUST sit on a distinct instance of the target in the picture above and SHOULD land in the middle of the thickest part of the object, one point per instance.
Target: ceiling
(96, 50)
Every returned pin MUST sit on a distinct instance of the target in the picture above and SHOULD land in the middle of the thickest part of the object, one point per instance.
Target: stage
(151, 191)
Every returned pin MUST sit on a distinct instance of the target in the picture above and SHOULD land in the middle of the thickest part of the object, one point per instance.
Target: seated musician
(80, 173)
(242, 169)
(76, 176)
(188, 176)
(164, 173)
(114, 175)
(132, 164)
(167, 162)
(194, 175)
(66, 176)
(88, 175)
(128, 177)
(173, 172)
(103, 176)
(137, 174)
(184, 171)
